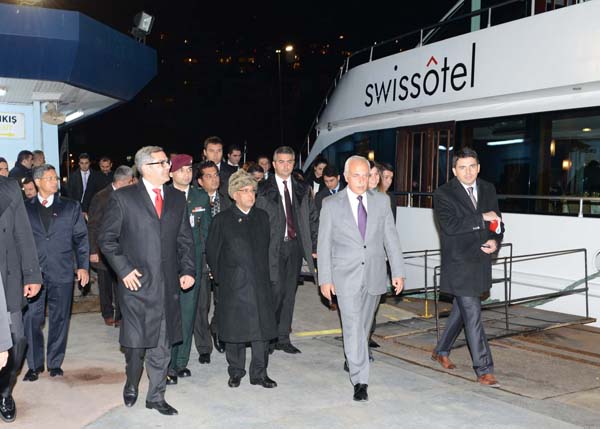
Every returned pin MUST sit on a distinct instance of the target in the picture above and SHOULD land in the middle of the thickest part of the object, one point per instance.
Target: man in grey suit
(356, 233)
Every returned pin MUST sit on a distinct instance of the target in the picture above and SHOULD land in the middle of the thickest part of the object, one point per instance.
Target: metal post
(435, 304)
(532, 12)
(421, 38)
(371, 54)
(280, 97)
(580, 207)
(587, 305)
(505, 296)
(426, 315)
(489, 24)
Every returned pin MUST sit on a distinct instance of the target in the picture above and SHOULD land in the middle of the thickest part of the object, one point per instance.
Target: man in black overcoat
(147, 240)
(21, 279)
(464, 208)
(107, 280)
(237, 251)
(294, 224)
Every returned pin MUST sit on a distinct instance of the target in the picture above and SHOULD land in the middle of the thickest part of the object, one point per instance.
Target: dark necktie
(361, 216)
(333, 191)
(472, 196)
(158, 202)
(289, 218)
(215, 205)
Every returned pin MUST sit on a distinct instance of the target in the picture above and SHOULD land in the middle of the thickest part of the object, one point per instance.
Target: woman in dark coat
(237, 251)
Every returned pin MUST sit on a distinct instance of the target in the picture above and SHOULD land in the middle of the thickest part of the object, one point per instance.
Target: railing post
(587, 303)
(505, 296)
(426, 315)
(347, 64)
(371, 54)
(580, 207)
(421, 38)
(489, 24)
(532, 12)
(409, 199)
(435, 304)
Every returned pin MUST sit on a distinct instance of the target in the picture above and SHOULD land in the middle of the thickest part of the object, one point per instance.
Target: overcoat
(19, 264)
(237, 252)
(466, 269)
(269, 199)
(98, 207)
(132, 236)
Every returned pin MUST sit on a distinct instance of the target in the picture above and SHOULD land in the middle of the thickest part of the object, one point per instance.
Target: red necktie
(158, 202)
(44, 203)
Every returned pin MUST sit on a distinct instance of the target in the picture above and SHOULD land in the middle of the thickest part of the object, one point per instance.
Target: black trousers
(157, 364)
(236, 358)
(8, 374)
(60, 296)
(284, 290)
(466, 312)
(107, 282)
(202, 328)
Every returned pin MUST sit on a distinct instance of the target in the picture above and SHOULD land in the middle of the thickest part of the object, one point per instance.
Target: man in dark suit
(331, 179)
(107, 279)
(21, 278)
(356, 234)
(234, 156)
(464, 208)
(22, 166)
(105, 177)
(294, 223)
(198, 212)
(213, 151)
(61, 237)
(208, 180)
(147, 240)
(83, 183)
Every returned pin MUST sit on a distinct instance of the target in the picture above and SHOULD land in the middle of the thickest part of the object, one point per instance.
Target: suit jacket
(307, 221)
(348, 261)
(225, 173)
(132, 236)
(323, 193)
(19, 263)
(466, 270)
(98, 207)
(65, 246)
(74, 188)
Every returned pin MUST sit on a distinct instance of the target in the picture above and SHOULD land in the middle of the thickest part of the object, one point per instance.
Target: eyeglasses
(50, 179)
(163, 163)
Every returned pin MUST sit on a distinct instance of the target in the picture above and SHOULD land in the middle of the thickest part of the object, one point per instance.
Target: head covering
(240, 179)
(180, 160)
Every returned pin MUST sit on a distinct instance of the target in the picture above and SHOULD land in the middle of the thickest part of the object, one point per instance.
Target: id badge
(192, 220)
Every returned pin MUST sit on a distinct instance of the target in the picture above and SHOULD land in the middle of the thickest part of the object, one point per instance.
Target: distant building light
(75, 115)
(289, 48)
(341, 37)
(566, 164)
(185, 41)
(505, 142)
(585, 130)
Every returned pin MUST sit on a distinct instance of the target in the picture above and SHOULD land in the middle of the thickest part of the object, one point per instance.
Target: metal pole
(580, 208)
(505, 296)
(587, 306)
(280, 97)
(435, 303)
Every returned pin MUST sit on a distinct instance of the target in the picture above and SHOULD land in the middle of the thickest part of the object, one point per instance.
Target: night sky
(231, 86)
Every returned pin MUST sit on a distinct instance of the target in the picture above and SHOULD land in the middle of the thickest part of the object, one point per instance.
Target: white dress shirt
(474, 186)
(149, 188)
(353, 198)
(49, 200)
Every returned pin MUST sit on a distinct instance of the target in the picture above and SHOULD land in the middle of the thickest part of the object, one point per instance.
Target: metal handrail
(346, 66)
(559, 198)
(508, 301)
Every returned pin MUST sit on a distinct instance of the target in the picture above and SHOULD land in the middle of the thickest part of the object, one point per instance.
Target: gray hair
(284, 150)
(144, 156)
(38, 172)
(355, 158)
(240, 179)
(122, 172)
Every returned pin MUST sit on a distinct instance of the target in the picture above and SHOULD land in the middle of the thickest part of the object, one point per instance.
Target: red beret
(180, 160)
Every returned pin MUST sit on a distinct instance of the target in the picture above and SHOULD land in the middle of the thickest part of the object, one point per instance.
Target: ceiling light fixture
(505, 142)
(74, 115)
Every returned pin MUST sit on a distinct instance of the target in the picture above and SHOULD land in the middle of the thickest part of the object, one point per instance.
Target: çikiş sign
(445, 77)
(12, 125)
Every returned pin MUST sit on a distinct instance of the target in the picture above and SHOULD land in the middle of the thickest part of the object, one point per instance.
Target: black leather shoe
(287, 347)
(265, 382)
(346, 366)
(184, 372)
(360, 392)
(130, 395)
(54, 372)
(373, 344)
(32, 374)
(219, 345)
(234, 381)
(8, 409)
(204, 358)
(171, 380)
(162, 407)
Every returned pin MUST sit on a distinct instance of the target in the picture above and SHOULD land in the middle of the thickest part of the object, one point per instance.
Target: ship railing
(414, 39)
(507, 262)
(536, 204)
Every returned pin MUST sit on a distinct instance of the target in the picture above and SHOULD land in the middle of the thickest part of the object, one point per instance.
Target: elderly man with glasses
(147, 240)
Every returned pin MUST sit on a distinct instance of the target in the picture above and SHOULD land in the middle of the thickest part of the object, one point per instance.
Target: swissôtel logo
(438, 75)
